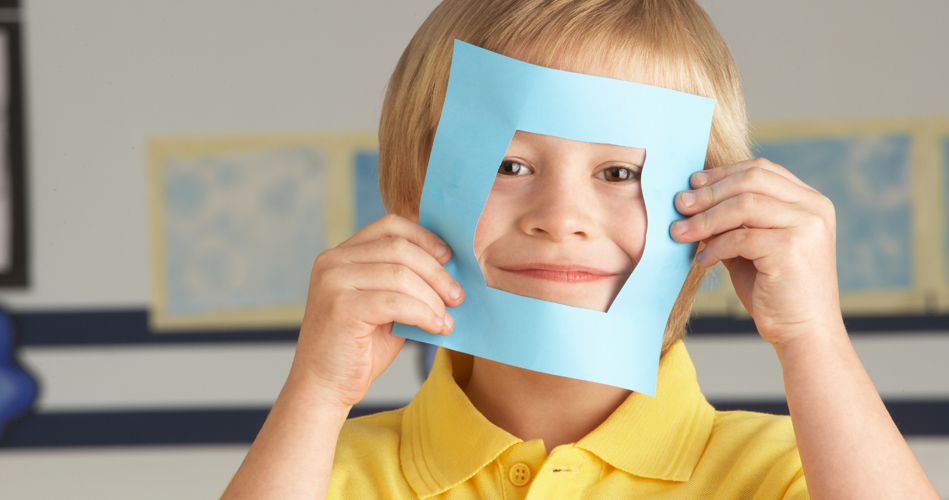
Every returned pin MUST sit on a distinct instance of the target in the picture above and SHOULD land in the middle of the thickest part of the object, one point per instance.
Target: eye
(512, 168)
(618, 174)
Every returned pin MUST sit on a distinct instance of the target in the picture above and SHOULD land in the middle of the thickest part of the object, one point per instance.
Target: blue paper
(490, 97)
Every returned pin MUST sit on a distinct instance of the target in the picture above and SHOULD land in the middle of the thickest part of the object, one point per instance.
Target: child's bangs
(616, 40)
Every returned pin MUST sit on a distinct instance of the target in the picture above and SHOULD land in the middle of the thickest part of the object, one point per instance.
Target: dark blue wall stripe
(192, 427)
(924, 323)
(63, 328)
(913, 418)
(134, 428)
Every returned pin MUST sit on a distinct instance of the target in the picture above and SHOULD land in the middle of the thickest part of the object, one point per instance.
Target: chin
(584, 301)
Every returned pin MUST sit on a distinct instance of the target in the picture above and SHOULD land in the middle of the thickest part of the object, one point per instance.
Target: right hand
(391, 270)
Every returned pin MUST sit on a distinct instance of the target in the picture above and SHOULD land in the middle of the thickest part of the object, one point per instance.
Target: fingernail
(682, 225)
(701, 178)
(455, 291)
(439, 324)
(449, 321)
(688, 198)
(440, 251)
(699, 256)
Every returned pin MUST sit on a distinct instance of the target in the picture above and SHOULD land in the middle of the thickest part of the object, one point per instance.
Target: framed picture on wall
(889, 185)
(13, 230)
(238, 221)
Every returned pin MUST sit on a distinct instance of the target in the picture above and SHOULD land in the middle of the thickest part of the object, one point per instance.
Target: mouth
(557, 272)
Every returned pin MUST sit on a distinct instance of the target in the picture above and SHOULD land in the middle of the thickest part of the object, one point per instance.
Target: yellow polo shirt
(674, 445)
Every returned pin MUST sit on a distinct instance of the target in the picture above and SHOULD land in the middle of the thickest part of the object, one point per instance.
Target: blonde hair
(665, 43)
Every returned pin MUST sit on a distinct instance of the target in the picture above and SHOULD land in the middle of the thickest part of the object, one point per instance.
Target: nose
(561, 210)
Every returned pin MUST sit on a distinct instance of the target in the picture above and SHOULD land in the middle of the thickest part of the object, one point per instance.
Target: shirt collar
(446, 440)
(659, 437)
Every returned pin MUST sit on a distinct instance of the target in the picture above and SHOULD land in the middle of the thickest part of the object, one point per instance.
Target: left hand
(776, 237)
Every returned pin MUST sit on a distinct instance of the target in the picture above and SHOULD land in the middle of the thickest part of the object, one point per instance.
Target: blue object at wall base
(17, 388)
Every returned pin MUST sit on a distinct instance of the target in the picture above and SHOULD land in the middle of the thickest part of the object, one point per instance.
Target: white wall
(105, 76)
(838, 58)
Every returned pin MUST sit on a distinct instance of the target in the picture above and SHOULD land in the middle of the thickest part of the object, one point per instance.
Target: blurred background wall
(125, 412)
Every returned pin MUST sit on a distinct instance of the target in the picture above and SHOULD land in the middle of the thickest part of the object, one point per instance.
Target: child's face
(565, 221)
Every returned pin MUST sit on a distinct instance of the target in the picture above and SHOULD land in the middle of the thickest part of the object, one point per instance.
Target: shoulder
(366, 463)
(740, 427)
(759, 437)
(386, 426)
(370, 441)
(760, 451)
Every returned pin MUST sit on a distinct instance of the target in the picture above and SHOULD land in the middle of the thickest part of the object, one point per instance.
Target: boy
(482, 429)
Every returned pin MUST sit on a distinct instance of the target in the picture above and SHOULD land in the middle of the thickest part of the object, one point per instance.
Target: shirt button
(520, 474)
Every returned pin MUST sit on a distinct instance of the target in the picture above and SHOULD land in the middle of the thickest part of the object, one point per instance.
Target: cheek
(489, 225)
(630, 235)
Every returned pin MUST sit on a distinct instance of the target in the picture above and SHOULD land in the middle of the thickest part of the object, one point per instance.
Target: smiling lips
(555, 272)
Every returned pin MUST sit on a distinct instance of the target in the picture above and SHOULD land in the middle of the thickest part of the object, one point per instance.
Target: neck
(533, 405)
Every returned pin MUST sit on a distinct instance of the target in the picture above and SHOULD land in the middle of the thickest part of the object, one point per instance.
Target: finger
(756, 245)
(755, 179)
(382, 277)
(395, 226)
(747, 209)
(385, 307)
(713, 175)
(398, 250)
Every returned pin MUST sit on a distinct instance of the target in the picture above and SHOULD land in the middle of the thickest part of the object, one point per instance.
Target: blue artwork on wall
(369, 205)
(240, 227)
(867, 179)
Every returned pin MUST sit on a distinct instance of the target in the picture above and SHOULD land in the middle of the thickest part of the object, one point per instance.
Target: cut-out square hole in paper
(565, 221)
